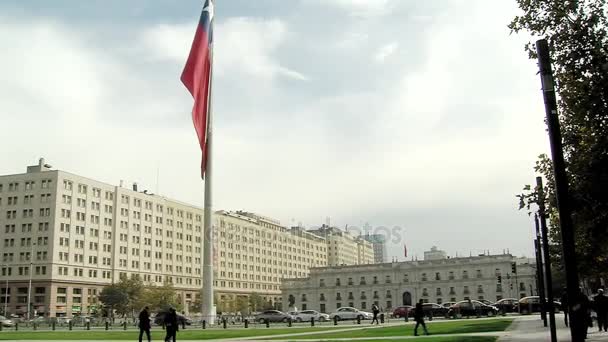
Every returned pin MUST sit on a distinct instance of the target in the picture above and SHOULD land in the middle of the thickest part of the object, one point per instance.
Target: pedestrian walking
(564, 301)
(144, 324)
(579, 317)
(375, 312)
(171, 325)
(600, 303)
(419, 318)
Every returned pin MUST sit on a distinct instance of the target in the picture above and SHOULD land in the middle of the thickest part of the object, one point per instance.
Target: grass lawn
(439, 339)
(452, 327)
(207, 334)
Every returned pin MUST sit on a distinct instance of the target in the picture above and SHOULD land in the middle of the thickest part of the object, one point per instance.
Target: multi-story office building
(344, 248)
(379, 246)
(256, 253)
(74, 235)
(403, 283)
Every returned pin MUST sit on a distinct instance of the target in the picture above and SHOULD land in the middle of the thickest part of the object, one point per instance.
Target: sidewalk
(530, 328)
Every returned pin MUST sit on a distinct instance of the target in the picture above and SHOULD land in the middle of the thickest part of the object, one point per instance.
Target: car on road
(273, 316)
(307, 315)
(506, 305)
(471, 308)
(434, 310)
(347, 312)
(403, 311)
(5, 322)
(531, 304)
(448, 304)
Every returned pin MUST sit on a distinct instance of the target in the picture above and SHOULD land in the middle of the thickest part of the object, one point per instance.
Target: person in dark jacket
(419, 318)
(564, 301)
(375, 312)
(579, 316)
(144, 324)
(171, 325)
(600, 303)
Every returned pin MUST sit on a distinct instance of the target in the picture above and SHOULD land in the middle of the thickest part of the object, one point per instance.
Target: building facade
(378, 242)
(255, 252)
(403, 283)
(344, 248)
(73, 236)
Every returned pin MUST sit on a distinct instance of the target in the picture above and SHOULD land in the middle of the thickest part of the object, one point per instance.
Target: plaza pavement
(524, 328)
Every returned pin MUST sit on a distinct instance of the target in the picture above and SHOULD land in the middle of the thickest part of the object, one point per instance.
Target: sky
(422, 119)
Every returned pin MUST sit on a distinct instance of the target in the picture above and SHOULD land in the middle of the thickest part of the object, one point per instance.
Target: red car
(403, 311)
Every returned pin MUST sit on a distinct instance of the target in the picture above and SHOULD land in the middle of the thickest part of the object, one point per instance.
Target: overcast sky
(426, 115)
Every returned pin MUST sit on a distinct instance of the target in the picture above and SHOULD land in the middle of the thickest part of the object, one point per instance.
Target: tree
(115, 299)
(161, 298)
(578, 40)
(256, 302)
(242, 305)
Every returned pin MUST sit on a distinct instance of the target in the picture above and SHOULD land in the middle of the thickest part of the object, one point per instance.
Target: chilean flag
(197, 77)
(404, 250)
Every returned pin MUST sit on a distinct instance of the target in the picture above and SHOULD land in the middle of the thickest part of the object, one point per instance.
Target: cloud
(242, 45)
(385, 51)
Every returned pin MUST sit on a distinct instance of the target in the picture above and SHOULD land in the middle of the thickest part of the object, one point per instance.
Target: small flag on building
(404, 250)
(197, 77)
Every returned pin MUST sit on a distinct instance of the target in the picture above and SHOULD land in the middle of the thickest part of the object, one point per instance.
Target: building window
(425, 292)
(438, 291)
(423, 277)
(375, 280)
(466, 290)
(479, 275)
(322, 297)
(350, 296)
(363, 296)
(337, 281)
(303, 297)
(388, 279)
(350, 281)
(437, 276)
(465, 275)
(362, 282)
(405, 278)
(388, 294)
(338, 296)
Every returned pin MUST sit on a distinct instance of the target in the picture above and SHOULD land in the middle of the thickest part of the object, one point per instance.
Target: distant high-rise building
(344, 248)
(379, 245)
(434, 254)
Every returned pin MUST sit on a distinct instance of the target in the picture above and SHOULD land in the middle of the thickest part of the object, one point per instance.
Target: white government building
(436, 280)
(73, 235)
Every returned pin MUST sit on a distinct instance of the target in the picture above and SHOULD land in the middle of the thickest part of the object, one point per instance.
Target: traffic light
(499, 279)
(513, 267)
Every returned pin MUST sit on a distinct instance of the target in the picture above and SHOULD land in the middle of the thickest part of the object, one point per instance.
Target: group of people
(580, 315)
(169, 321)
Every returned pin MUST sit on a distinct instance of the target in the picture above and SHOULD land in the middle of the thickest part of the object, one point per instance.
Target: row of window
(27, 199)
(388, 278)
(26, 227)
(29, 185)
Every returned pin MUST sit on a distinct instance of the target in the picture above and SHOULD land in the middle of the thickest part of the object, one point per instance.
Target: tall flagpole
(208, 307)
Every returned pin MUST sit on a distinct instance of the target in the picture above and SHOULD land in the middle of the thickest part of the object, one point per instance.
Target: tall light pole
(6, 292)
(29, 289)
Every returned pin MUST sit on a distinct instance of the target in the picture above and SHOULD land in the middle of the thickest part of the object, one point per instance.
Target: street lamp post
(6, 292)
(29, 289)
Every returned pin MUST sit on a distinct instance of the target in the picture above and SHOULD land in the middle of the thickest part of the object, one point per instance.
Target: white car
(6, 322)
(307, 315)
(350, 313)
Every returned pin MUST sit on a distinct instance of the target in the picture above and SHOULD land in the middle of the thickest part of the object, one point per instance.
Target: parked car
(347, 312)
(6, 322)
(402, 311)
(63, 320)
(448, 304)
(531, 304)
(471, 308)
(273, 316)
(39, 320)
(434, 310)
(81, 320)
(506, 305)
(159, 319)
(307, 315)
(485, 301)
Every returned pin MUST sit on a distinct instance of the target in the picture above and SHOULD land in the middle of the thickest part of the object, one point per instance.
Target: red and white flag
(197, 77)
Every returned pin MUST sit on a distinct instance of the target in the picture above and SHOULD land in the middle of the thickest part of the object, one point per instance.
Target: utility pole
(539, 272)
(547, 261)
(561, 181)
(29, 288)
